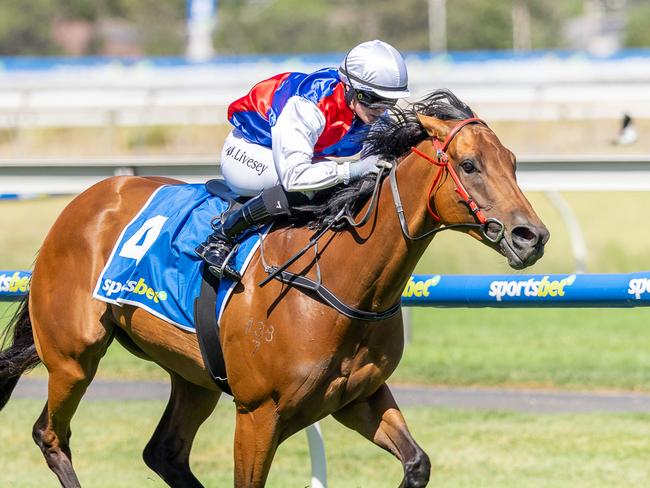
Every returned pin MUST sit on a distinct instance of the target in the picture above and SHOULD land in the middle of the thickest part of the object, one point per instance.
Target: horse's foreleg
(378, 419)
(256, 440)
(168, 451)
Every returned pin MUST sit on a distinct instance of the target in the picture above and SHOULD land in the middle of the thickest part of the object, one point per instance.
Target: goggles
(372, 100)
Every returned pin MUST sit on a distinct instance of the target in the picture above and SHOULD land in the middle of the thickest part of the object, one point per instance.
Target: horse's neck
(383, 259)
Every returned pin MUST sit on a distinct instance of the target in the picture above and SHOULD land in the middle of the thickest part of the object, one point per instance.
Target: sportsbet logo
(638, 286)
(14, 282)
(420, 288)
(530, 288)
(139, 287)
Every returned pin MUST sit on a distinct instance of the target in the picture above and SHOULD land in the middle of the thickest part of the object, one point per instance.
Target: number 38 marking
(138, 245)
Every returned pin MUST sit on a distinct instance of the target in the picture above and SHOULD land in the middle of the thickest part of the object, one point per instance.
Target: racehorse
(291, 358)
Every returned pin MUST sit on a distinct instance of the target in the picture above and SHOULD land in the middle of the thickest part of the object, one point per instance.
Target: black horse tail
(21, 355)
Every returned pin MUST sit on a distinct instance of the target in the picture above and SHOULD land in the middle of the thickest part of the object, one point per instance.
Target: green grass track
(467, 449)
(575, 349)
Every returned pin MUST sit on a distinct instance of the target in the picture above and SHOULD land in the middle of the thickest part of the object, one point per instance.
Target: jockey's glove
(360, 168)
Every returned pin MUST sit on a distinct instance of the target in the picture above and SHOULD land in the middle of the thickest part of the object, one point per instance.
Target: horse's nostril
(544, 236)
(524, 235)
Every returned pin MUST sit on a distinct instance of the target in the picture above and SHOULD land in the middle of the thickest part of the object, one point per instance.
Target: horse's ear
(434, 127)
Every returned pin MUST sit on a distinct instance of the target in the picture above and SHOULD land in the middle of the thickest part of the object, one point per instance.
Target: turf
(467, 449)
(575, 349)
(25, 224)
(541, 348)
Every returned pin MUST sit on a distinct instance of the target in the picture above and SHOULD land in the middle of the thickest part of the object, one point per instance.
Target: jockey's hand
(362, 167)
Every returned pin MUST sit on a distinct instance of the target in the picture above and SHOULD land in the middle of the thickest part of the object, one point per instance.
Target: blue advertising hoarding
(498, 291)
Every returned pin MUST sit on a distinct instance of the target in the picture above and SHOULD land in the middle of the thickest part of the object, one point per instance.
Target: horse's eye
(468, 166)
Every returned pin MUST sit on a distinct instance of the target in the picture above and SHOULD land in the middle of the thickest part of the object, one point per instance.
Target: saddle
(218, 188)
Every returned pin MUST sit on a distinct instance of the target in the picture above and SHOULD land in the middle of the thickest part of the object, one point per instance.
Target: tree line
(157, 27)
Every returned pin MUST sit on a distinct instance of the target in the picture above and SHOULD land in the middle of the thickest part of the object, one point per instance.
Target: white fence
(548, 174)
(534, 173)
(549, 87)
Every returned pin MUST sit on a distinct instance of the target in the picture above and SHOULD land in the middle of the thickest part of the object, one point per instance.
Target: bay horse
(291, 359)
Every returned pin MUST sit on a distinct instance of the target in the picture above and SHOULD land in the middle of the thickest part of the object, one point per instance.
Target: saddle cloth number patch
(138, 245)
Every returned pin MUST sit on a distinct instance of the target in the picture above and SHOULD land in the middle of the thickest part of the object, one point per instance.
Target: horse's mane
(391, 139)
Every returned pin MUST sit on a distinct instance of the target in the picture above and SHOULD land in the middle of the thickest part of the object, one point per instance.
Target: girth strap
(207, 330)
(331, 299)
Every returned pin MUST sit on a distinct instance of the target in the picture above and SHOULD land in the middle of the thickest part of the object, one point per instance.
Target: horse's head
(476, 184)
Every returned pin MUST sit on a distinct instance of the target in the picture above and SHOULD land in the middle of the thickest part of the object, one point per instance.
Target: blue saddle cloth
(153, 264)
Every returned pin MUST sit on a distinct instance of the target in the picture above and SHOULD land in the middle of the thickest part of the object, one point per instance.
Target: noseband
(442, 161)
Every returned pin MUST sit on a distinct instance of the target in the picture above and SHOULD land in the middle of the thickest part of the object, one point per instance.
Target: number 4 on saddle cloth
(153, 264)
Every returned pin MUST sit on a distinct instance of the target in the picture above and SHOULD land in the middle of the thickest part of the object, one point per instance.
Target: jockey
(287, 127)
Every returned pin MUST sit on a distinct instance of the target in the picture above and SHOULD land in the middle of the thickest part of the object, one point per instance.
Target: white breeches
(248, 168)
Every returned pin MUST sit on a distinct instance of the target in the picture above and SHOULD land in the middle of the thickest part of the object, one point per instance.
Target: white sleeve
(294, 136)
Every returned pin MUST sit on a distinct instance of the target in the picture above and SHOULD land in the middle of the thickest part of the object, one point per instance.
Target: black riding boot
(217, 248)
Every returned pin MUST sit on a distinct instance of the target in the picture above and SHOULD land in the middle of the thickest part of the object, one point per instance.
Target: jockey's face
(367, 114)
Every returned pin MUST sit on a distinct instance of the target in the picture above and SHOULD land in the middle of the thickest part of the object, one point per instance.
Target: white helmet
(378, 68)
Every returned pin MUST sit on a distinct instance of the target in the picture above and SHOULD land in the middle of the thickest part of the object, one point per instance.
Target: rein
(281, 274)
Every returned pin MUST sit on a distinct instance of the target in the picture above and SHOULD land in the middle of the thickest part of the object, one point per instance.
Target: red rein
(442, 160)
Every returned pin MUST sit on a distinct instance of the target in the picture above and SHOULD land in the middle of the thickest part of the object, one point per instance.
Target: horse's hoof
(417, 471)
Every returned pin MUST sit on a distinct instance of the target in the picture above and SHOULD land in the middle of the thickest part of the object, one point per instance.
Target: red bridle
(442, 160)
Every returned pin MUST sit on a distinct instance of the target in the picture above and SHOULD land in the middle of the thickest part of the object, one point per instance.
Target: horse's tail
(21, 355)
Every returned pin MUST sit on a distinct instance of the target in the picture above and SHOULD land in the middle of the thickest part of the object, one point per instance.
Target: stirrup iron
(219, 271)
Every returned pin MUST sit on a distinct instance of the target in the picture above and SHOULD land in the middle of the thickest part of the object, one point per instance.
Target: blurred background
(109, 77)
(94, 88)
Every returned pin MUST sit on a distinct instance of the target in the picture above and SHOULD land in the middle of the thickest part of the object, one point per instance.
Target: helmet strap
(350, 93)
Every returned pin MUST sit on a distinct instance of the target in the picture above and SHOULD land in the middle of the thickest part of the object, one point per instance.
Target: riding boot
(217, 249)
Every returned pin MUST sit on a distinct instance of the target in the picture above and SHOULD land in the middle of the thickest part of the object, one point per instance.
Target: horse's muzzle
(525, 245)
